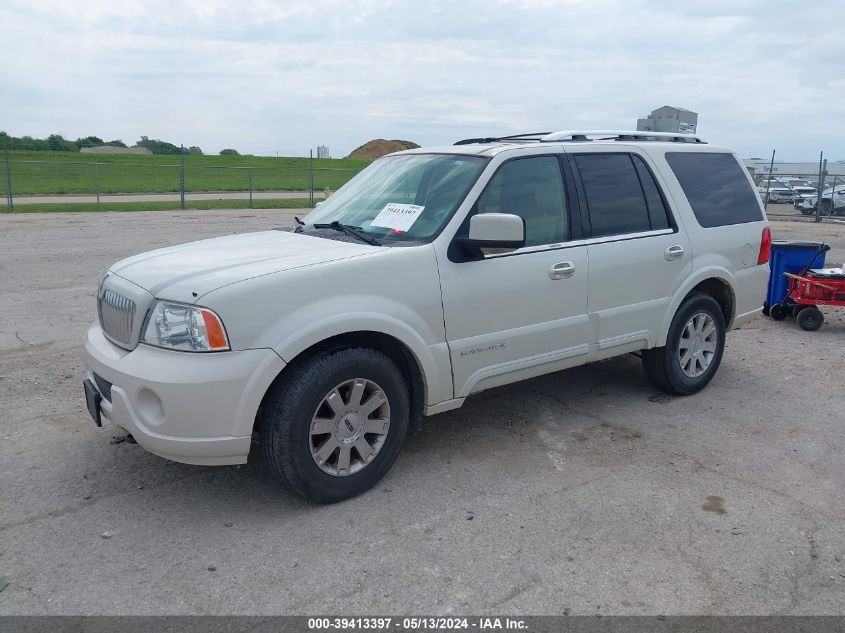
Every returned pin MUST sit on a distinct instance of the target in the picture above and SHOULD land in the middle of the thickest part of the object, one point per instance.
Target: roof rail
(513, 138)
(619, 135)
(585, 135)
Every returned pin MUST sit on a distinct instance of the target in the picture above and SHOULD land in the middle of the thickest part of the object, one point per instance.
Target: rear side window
(615, 196)
(716, 188)
(657, 212)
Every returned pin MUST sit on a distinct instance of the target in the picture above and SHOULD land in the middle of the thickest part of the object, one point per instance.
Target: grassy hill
(36, 173)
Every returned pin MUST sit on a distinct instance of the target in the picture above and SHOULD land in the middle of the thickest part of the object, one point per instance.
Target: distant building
(759, 167)
(669, 119)
(323, 152)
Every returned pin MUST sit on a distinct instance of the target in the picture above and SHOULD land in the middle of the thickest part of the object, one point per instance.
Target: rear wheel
(779, 312)
(333, 427)
(810, 318)
(693, 350)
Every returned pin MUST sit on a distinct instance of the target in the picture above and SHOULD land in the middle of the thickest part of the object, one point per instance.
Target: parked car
(799, 186)
(833, 201)
(432, 275)
(775, 191)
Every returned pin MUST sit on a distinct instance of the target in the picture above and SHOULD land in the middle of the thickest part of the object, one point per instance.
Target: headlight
(185, 327)
(103, 276)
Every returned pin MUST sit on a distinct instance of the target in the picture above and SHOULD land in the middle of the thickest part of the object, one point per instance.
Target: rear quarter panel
(728, 252)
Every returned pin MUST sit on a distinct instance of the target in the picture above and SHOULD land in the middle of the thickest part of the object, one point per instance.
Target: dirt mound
(108, 149)
(379, 147)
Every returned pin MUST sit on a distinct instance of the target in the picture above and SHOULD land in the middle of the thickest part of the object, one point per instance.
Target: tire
(827, 206)
(663, 364)
(289, 423)
(810, 318)
(779, 312)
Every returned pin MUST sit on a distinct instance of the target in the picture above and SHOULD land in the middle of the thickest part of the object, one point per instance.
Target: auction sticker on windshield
(397, 216)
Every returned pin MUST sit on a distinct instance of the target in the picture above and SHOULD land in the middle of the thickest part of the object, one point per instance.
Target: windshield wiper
(354, 231)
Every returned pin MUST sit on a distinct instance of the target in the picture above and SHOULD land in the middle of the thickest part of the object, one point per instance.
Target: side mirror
(494, 233)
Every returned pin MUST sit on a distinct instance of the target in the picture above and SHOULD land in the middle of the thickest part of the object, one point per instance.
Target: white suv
(432, 275)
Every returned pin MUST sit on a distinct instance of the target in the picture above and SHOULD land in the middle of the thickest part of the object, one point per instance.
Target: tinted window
(533, 189)
(614, 194)
(657, 213)
(716, 188)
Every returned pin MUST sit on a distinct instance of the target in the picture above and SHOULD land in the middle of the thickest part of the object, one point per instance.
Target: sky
(282, 76)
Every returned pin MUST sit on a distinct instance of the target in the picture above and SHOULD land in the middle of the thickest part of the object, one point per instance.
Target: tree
(53, 143)
(88, 141)
(193, 149)
(229, 152)
(58, 143)
(157, 146)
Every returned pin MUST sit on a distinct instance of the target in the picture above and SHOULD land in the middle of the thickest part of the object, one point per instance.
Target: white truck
(432, 275)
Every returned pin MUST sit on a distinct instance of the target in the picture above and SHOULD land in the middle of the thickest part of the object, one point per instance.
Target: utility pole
(822, 174)
(769, 180)
(182, 176)
(97, 181)
(311, 178)
(10, 207)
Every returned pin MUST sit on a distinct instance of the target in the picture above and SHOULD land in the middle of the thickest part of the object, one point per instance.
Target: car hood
(188, 271)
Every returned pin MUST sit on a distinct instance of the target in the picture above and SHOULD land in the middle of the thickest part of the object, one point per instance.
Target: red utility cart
(808, 291)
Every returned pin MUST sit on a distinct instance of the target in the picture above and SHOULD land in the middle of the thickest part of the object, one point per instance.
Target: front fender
(433, 360)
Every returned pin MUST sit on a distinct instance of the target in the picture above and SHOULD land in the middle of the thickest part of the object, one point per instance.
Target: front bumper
(196, 408)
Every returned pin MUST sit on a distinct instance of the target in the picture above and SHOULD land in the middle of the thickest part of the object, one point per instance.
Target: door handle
(562, 270)
(674, 252)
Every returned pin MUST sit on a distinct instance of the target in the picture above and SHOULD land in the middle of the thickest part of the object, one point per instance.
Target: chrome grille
(117, 315)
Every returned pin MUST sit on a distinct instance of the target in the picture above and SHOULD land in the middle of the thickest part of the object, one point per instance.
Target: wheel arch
(716, 282)
(397, 350)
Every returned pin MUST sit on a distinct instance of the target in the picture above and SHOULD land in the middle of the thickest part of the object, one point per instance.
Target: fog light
(150, 408)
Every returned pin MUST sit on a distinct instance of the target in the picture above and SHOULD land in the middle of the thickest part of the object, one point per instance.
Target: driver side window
(531, 188)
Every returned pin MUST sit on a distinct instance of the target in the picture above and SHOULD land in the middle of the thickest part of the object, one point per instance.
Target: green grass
(42, 173)
(198, 205)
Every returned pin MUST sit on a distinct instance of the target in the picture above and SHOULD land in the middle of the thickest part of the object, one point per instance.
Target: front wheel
(334, 425)
(693, 350)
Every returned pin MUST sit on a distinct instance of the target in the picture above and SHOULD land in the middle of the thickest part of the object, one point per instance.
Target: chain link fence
(31, 184)
(794, 189)
(188, 182)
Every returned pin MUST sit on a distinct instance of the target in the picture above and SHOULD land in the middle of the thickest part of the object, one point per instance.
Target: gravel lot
(584, 490)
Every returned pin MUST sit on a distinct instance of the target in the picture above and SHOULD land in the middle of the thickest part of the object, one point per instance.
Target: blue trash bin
(789, 256)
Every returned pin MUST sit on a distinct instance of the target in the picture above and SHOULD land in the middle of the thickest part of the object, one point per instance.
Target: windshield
(404, 197)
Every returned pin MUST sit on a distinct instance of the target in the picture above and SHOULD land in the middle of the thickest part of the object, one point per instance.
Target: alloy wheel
(349, 427)
(697, 347)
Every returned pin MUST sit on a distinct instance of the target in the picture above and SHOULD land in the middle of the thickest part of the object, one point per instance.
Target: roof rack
(620, 135)
(514, 138)
(567, 136)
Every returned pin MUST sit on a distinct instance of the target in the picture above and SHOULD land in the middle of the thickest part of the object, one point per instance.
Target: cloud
(277, 76)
